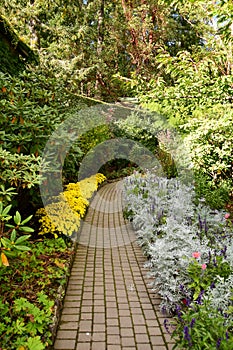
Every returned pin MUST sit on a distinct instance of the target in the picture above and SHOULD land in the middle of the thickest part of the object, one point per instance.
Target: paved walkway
(108, 305)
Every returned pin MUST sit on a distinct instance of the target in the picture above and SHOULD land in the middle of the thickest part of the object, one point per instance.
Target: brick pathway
(107, 304)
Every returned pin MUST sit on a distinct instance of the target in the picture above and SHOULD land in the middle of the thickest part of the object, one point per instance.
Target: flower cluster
(189, 246)
(69, 207)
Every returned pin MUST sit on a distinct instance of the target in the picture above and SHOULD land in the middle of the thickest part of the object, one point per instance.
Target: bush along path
(107, 303)
(190, 252)
(34, 268)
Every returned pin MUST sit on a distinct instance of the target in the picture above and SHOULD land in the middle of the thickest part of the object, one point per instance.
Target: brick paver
(108, 304)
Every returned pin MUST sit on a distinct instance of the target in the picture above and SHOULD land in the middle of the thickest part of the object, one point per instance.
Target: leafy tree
(90, 44)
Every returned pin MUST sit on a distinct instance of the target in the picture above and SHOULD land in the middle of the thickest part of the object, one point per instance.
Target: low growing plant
(189, 247)
(40, 317)
(201, 327)
(32, 288)
(12, 236)
(69, 207)
(204, 275)
(28, 320)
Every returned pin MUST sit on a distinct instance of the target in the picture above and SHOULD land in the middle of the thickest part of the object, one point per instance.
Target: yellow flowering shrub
(69, 207)
(88, 186)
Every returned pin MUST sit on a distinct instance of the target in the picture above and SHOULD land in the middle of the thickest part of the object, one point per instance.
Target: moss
(14, 53)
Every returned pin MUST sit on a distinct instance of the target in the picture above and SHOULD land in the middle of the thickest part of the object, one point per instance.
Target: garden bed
(35, 270)
(189, 248)
(32, 289)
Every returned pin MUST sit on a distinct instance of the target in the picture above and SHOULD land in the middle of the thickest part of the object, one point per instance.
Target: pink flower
(203, 266)
(196, 255)
(227, 215)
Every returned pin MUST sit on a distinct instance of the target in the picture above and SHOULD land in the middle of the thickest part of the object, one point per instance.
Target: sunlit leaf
(17, 218)
(26, 220)
(22, 239)
(26, 229)
(13, 235)
(22, 248)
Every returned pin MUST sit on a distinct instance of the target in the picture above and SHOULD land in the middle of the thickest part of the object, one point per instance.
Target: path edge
(61, 291)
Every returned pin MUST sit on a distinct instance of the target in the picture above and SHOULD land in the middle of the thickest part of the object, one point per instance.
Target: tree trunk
(99, 48)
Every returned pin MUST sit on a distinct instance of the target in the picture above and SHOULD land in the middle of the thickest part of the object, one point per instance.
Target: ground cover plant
(34, 270)
(31, 273)
(189, 247)
(32, 287)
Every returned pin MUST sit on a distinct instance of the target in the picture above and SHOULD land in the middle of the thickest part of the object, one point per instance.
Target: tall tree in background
(99, 46)
(88, 44)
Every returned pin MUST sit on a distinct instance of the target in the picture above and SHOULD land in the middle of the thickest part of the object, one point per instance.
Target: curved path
(108, 305)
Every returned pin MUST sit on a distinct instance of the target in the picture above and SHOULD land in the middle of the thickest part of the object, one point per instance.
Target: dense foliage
(29, 294)
(33, 271)
(189, 247)
(175, 56)
(93, 46)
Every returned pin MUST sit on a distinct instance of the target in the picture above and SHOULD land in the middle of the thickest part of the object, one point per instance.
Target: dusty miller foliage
(221, 297)
(169, 228)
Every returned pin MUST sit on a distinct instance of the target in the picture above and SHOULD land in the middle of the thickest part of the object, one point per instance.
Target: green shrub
(12, 236)
(210, 141)
(145, 127)
(29, 111)
(32, 105)
(139, 126)
(211, 145)
(93, 137)
(215, 196)
(19, 170)
(208, 135)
